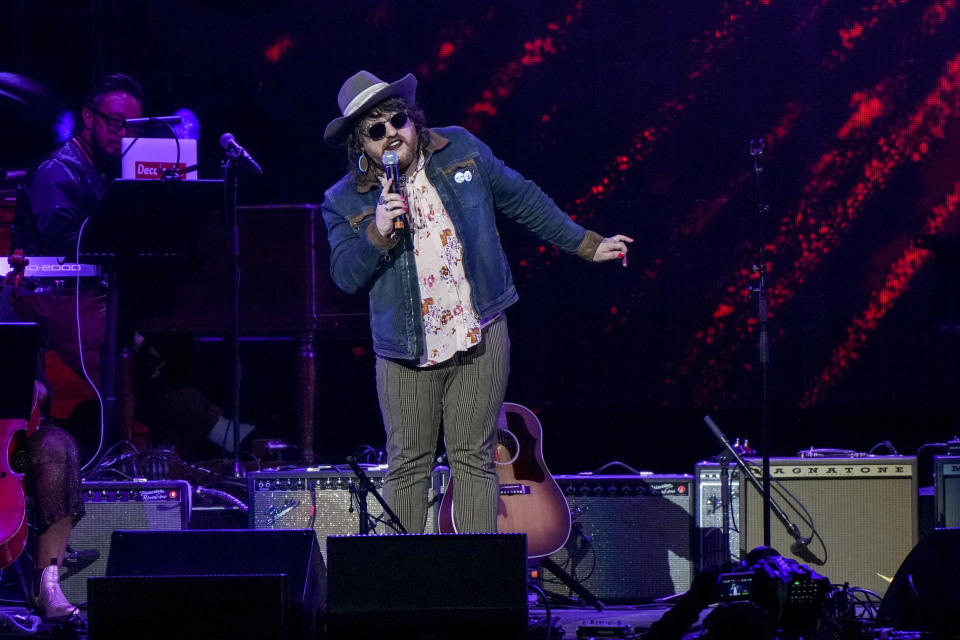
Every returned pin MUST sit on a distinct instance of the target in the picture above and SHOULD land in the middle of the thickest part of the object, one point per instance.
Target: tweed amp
(322, 499)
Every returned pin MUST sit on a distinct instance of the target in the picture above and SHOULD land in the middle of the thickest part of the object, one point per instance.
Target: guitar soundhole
(508, 447)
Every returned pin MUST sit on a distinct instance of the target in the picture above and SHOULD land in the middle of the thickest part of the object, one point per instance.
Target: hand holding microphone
(392, 205)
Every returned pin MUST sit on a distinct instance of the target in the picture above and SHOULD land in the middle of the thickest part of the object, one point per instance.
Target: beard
(406, 154)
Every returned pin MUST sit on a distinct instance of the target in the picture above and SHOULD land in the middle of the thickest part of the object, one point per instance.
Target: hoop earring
(363, 164)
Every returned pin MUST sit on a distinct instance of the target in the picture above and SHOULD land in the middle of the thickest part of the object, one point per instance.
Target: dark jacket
(361, 259)
(65, 191)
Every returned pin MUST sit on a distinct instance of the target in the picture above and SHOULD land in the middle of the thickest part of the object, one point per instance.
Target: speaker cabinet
(864, 512)
(286, 499)
(443, 587)
(149, 572)
(947, 490)
(630, 540)
(110, 506)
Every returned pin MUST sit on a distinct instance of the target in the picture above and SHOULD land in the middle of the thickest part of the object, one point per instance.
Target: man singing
(428, 254)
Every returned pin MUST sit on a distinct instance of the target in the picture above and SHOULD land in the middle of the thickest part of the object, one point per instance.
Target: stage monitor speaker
(445, 587)
(286, 500)
(108, 506)
(926, 588)
(137, 557)
(709, 519)
(864, 511)
(630, 540)
(947, 490)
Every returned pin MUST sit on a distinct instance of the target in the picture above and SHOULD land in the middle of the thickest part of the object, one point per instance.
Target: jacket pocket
(356, 222)
(466, 182)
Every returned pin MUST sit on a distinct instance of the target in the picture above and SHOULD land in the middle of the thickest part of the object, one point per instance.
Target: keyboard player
(65, 191)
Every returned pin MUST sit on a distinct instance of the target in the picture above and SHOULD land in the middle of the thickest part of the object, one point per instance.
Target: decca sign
(148, 170)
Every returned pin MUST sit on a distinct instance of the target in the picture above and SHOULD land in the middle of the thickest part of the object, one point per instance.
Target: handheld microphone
(390, 165)
(229, 144)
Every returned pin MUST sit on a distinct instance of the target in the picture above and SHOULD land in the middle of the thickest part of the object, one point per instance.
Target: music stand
(142, 223)
(149, 218)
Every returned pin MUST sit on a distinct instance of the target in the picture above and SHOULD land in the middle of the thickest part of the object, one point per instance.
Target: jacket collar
(86, 150)
(369, 180)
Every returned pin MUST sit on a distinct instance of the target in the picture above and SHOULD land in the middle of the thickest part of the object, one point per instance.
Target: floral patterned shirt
(450, 323)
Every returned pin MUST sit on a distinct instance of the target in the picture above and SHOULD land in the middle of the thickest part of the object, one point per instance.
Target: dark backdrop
(635, 117)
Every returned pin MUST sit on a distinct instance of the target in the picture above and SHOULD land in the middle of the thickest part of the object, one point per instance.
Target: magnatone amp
(863, 511)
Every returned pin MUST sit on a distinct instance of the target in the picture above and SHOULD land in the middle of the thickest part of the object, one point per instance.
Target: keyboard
(53, 267)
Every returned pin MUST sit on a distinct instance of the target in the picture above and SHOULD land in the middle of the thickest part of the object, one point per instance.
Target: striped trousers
(463, 395)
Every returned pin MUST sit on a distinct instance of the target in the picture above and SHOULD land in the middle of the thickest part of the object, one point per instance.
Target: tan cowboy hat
(358, 94)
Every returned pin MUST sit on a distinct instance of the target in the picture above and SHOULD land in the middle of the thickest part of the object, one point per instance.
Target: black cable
(617, 463)
(799, 507)
(177, 141)
(546, 607)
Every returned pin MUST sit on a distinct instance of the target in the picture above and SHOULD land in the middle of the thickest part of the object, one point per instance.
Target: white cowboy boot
(50, 599)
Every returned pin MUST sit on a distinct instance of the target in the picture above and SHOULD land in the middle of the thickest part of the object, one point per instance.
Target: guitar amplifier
(630, 540)
(947, 490)
(709, 518)
(321, 499)
(154, 505)
(863, 510)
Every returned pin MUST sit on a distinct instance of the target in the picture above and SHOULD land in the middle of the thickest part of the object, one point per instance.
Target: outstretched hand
(613, 248)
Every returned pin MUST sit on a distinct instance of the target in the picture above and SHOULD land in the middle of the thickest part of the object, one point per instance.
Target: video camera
(792, 594)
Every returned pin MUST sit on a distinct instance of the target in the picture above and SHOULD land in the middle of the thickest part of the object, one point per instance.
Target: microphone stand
(757, 147)
(229, 168)
(365, 485)
(726, 503)
(792, 528)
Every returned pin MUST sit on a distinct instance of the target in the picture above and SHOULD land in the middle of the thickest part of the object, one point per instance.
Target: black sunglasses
(379, 131)
(114, 124)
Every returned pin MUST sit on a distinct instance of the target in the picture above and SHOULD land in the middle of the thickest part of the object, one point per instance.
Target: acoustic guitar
(531, 501)
(13, 437)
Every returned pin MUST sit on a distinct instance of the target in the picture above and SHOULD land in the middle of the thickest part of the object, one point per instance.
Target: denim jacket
(472, 184)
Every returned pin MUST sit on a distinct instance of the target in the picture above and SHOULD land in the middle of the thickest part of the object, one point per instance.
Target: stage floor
(16, 622)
